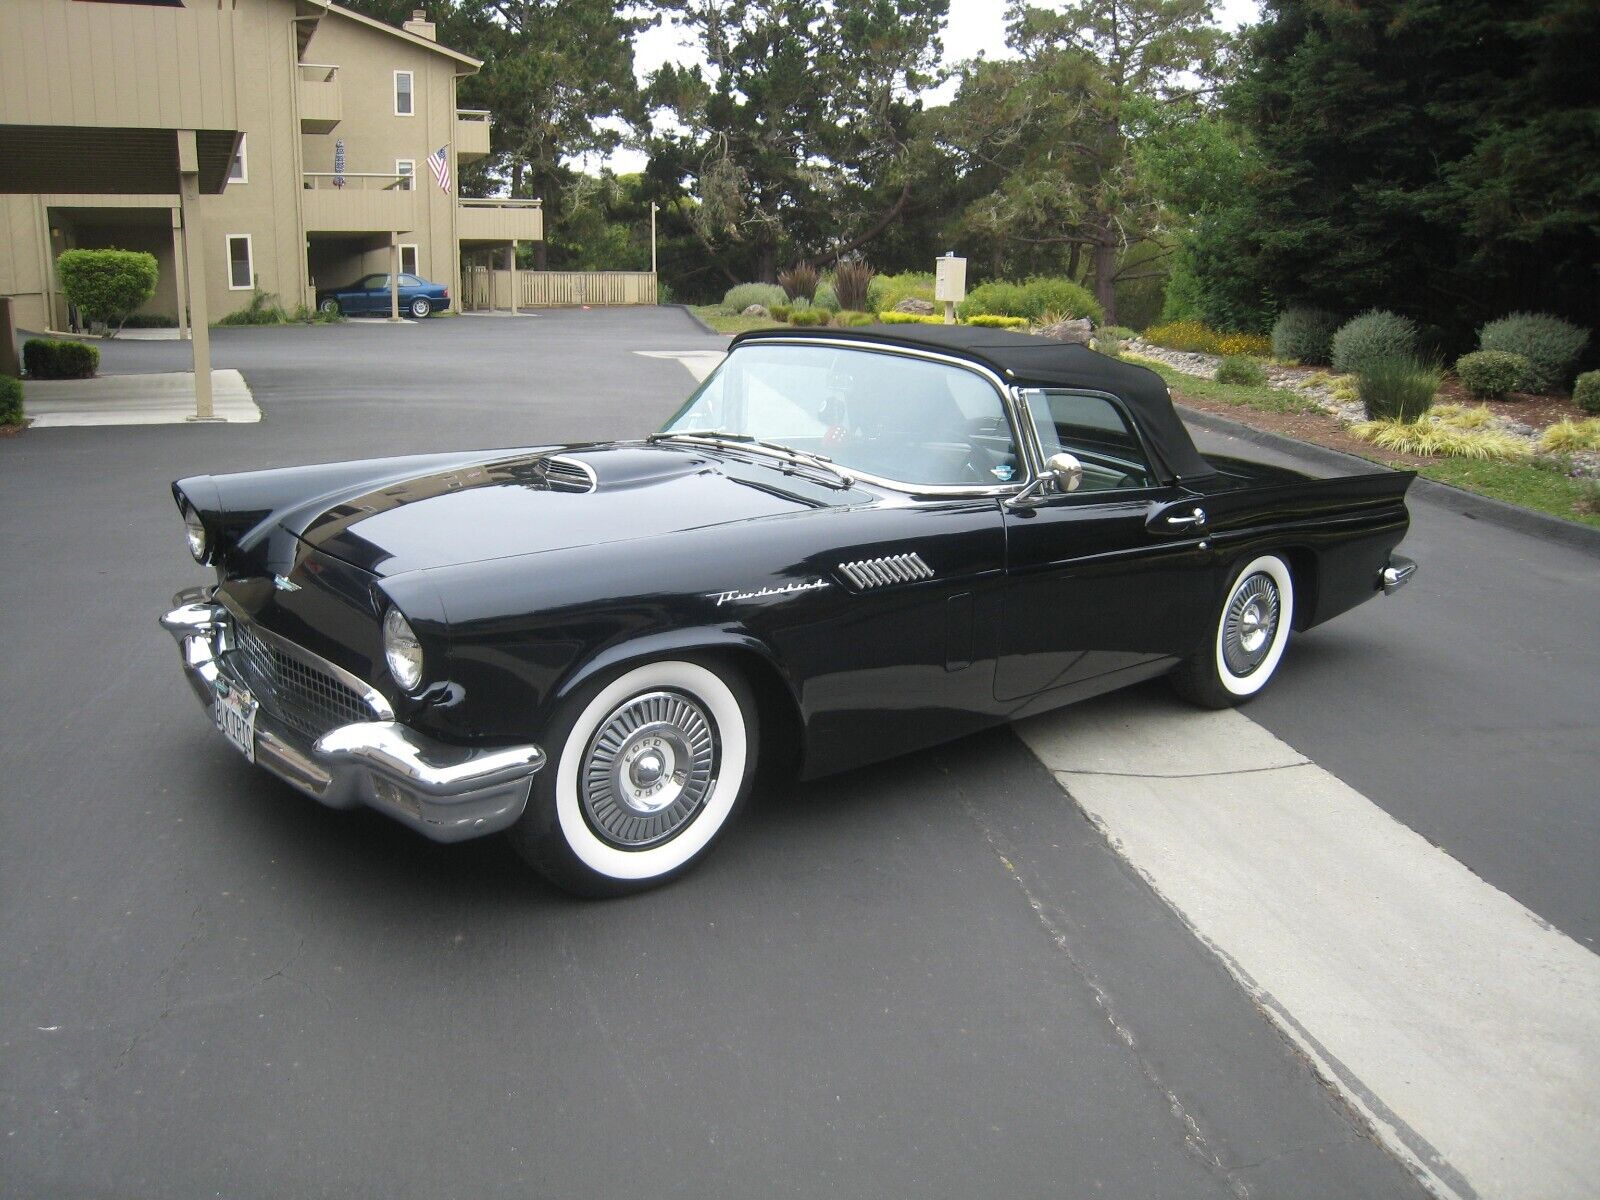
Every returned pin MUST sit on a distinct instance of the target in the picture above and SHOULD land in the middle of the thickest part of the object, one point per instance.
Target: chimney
(420, 25)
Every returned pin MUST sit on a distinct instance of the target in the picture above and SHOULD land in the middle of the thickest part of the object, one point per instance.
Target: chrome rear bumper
(446, 793)
(1396, 575)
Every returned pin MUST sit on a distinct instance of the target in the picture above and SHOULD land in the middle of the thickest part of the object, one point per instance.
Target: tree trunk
(541, 255)
(1072, 261)
(1105, 273)
(767, 263)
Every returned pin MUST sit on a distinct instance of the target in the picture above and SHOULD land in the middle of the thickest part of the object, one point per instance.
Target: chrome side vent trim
(567, 475)
(880, 572)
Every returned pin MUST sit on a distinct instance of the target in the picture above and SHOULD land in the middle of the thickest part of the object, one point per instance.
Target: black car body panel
(878, 618)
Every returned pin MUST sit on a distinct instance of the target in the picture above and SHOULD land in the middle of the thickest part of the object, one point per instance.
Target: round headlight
(195, 533)
(401, 650)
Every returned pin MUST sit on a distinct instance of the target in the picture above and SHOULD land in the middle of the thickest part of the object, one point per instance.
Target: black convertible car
(845, 546)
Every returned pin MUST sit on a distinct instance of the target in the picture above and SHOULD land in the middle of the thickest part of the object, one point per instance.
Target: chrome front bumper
(446, 793)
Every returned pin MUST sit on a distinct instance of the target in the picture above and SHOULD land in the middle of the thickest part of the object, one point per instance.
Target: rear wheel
(648, 770)
(421, 307)
(1248, 637)
(330, 305)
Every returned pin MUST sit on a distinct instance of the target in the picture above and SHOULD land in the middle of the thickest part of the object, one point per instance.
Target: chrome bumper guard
(1396, 575)
(446, 793)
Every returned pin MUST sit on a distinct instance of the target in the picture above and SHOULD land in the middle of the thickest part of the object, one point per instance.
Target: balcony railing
(358, 202)
(321, 107)
(472, 133)
(501, 219)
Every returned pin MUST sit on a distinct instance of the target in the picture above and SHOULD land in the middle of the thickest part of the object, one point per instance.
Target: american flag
(439, 164)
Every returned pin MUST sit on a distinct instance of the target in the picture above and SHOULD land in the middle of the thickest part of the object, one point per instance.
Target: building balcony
(351, 202)
(472, 134)
(320, 105)
(500, 221)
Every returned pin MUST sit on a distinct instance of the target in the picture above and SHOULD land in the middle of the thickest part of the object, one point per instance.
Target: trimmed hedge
(1490, 374)
(1550, 345)
(1372, 337)
(10, 400)
(990, 321)
(848, 318)
(1305, 335)
(46, 359)
(899, 318)
(808, 316)
(1202, 339)
(1586, 392)
(1033, 299)
(107, 285)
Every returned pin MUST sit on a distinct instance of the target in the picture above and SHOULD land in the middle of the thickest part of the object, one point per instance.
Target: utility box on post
(950, 284)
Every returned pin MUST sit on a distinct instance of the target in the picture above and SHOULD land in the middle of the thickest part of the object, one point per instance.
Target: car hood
(552, 500)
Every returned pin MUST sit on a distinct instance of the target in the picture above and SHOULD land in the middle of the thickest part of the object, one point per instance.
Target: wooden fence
(487, 288)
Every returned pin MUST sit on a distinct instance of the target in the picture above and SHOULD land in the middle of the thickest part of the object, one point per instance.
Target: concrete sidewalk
(159, 399)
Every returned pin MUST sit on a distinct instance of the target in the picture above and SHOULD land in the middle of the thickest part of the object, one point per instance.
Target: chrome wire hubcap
(1250, 624)
(648, 769)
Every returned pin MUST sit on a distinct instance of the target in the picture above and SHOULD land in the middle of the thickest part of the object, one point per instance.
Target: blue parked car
(370, 295)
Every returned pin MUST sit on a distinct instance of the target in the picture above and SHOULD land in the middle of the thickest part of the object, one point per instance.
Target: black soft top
(1029, 361)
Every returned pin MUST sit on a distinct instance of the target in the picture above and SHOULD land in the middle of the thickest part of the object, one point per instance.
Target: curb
(1469, 504)
(699, 324)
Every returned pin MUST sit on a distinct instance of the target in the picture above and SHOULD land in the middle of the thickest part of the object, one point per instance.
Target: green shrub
(808, 316)
(899, 318)
(45, 359)
(1053, 296)
(741, 296)
(885, 291)
(1490, 374)
(1105, 344)
(990, 321)
(800, 281)
(263, 309)
(1586, 392)
(1201, 339)
(1305, 335)
(1398, 388)
(315, 316)
(852, 279)
(1377, 335)
(107, 285)
(825, 297)
(149, 321)
(998, 298)
(1121, 332)
(849, 318)
(10, 400)
(780, 312)
(1242, 370)
(664, 292)
(1550, 345)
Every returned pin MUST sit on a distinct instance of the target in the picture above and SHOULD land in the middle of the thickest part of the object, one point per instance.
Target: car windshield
(892, 416)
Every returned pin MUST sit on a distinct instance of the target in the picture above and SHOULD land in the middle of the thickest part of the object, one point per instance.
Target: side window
(403, 103)
(1096, 433)
(239, 169)
(406, 169)
(241, 269)
(408, 265)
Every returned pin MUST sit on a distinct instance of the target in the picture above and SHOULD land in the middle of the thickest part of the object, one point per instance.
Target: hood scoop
(565, 474)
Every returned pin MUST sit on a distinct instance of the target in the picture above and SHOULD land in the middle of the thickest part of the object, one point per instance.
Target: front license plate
(236, 717)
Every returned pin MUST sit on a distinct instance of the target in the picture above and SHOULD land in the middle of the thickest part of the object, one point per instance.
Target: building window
(403, 103)
(239, 172)
(406, 168)
(408, 260)
(241, 270)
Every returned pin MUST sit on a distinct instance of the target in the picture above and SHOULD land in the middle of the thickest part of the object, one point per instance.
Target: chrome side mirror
(1062, 471)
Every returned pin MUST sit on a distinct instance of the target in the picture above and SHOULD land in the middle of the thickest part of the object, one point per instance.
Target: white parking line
(698, 363)
(1461, 1026)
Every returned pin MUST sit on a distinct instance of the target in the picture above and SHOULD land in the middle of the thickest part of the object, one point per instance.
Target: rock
(1069, 330)
(756, 310)
(921, 308)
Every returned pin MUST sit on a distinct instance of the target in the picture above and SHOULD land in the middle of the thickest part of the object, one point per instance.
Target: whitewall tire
(1248, 637)
(646, 771)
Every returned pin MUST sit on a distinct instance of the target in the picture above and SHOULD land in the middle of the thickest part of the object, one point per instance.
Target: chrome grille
(567, 475)
(879, 572)
(310, 700)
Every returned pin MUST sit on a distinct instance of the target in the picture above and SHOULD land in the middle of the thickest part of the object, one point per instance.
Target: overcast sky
(974, 27)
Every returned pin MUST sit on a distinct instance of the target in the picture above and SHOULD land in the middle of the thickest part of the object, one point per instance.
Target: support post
(179, 284)
(512, 255)
(652, 237)
(9, 363)
(394, 275)
(194, 272)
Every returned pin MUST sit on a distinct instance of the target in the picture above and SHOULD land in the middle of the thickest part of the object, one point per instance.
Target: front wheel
(330, 305)
(648, 769)
(420, 308)
(1252, 629)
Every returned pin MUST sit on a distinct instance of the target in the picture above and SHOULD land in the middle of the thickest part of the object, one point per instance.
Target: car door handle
(1197, 517)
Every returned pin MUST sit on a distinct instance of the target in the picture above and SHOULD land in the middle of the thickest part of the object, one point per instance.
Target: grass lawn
(723, 322)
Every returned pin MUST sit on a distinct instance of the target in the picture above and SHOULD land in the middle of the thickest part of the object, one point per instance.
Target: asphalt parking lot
(214, 986)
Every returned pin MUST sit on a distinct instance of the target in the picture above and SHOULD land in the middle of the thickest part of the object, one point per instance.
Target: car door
(1103, 580)
(375, 294)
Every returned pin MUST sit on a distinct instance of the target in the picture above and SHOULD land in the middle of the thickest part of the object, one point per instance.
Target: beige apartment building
(306, 128)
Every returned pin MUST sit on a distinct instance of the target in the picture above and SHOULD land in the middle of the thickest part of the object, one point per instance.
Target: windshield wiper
(795, 457)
